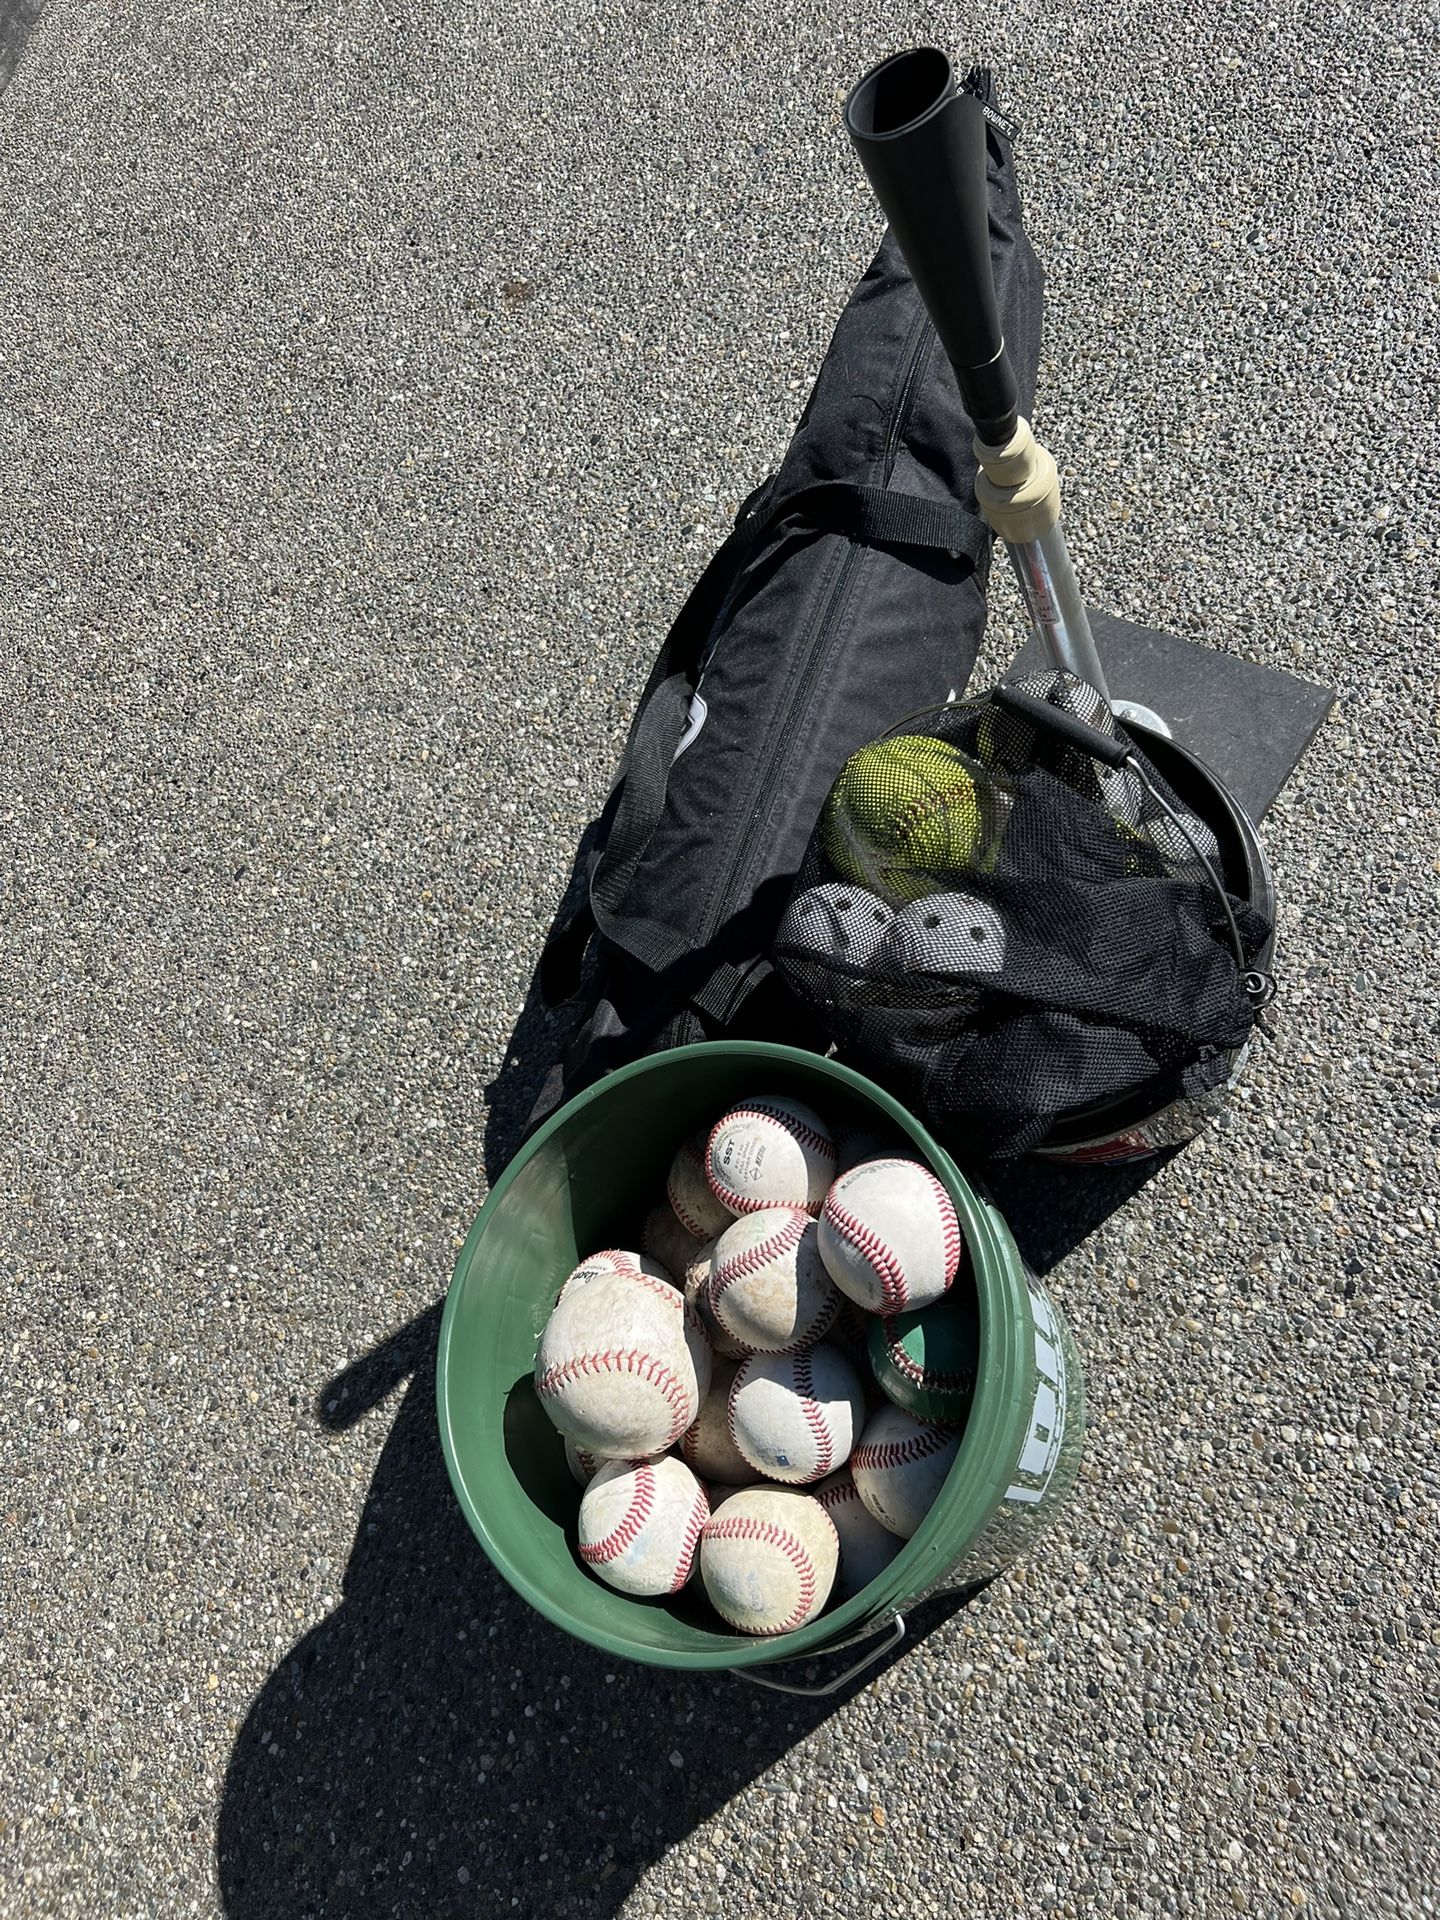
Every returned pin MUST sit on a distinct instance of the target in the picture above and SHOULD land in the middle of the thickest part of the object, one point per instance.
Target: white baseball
(794, 1416)
(850, 1335)
(583, 1466)
(889, 1236)
(768, 1286)
(665, 1240)
(707, 1448)
(866, 1548)
(854, 1144)
(768, 1559)
(640, 1524)
(687, 1187)
(697, 1292)
(719, 1493)
(1168, 839)
(613, 1260)
(622, 1365)
(770, 1152)
(900, 1466)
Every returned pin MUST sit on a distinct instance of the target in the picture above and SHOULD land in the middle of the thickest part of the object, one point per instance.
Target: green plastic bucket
(585, 1180)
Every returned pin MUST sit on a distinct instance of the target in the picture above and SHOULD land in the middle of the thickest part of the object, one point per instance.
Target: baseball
(696, 1206)
(707, 1448)
(640, 1524)
(768, 1559)
(1169, 839)
(768, 1286)
(866, 1548)
(622, 1365)
(926, 1361)
(770, 1152)
(794, 1416)
(697, 1292)
(583, 1466)
(665, 1240)
(889, 1236)
(612, 1261)
(850, 1335)
(947, 934)
(856, 1143)
(900, 1466)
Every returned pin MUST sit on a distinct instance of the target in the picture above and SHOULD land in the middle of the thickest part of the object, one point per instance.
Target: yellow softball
(905, 817)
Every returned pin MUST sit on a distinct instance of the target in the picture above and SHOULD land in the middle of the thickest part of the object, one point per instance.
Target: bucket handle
(895, 1635)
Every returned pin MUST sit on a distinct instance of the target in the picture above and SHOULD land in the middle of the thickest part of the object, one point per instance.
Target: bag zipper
(918, 346)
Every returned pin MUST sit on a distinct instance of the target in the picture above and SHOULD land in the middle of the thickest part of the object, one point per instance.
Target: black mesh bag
(1005, 915)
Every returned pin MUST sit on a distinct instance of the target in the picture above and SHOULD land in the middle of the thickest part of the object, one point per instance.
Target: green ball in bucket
(586, 1179)
(926, 1361)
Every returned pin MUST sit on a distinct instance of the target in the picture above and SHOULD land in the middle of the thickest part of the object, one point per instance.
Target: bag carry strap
(871, 514)
(886, 519)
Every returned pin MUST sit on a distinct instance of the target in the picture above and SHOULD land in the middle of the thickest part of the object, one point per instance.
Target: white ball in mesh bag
(836, 922)
(1165, 835)
(1121, 793)
(947, 933)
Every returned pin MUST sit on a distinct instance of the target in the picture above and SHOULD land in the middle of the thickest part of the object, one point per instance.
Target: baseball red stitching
(689, 1151)
(622, 1535)
(753, 1258)
(814, 1418)
(794, 1129)
(699, 1514)
(924, 1376)
(730, 1412)
(949, 1226)
(798, 1129)
(894, 1294)
(624, 1360)
(743, 1527)
(839, 1495)
(671, 1295)
(883, 1455)
(630, 1270)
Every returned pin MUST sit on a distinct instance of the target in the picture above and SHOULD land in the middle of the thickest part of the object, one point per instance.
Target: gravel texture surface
(372, 381)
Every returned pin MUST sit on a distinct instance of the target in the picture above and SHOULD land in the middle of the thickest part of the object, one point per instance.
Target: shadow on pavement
(16, 19)
(436, 1749)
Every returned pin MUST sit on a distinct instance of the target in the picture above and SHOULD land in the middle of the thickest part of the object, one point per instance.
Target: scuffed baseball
(622, 1365)
(854, 1143)
(665, 1240)
(583, 1466)
(768, 1286)
(697, 1292)
(770, 1152)
(640, 1524)
(768, 1560)
(794, 1416)
(889, 1236)
(900, 1466)
(707, 1448)
(687, 1187)
(612, 1260)
(866, 1548)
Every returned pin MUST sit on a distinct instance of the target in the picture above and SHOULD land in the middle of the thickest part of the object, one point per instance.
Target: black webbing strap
(869, 514)
(882, 518)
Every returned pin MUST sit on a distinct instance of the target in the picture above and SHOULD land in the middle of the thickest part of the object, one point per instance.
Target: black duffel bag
(851, 593)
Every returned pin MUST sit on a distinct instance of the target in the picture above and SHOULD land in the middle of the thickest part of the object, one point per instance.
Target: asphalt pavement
(373, 380)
